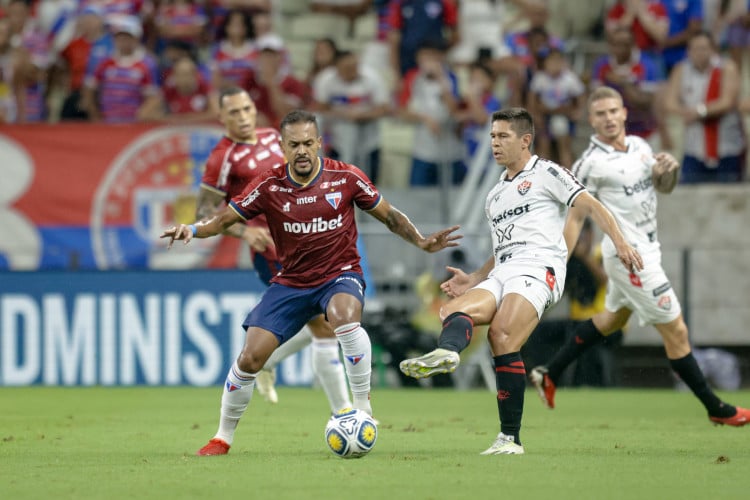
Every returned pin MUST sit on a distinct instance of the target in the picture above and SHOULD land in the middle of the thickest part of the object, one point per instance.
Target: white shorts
(540, 285)
(648, 294)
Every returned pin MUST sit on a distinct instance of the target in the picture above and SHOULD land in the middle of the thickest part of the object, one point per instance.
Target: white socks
(238, 390)
(294, 344)
(355, 344)
(326, 366)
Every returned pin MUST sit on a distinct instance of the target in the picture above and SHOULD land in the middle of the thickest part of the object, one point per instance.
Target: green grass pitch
(80, 443)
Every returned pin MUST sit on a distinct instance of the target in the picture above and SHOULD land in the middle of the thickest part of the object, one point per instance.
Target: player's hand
(181, 232)
(457, 284)
(665, 164)
(630, 258)
(440, 240)
(259, 238)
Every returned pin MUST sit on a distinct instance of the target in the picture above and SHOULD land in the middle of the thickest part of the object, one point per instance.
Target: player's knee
(500, 340)
(250, 362)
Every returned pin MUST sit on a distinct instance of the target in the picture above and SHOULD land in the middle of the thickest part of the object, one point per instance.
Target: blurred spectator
(179, 21)
(352, 99)
(323, 56)
(478, 102)
(634, 74)
(76, 57)
(731, 27)
(412, 22)
(7, 61)
(116, 7)
(646, 19)
(527, 49)
(31, 63)
(685, 20)
(429, 97)
(480, 24)
(219, 10)
(125, 84)
(263, 28)
(233, 54)
(349, 9)
(186, 96)
(274, 89)
(704, 91)
(556, 94)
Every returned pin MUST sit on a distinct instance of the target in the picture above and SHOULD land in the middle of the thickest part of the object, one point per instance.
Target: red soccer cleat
(214, 447)
(742, 417)
(544, 386)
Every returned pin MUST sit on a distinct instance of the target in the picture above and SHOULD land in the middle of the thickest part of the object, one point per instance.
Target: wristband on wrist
(193, 229)
(701, 110)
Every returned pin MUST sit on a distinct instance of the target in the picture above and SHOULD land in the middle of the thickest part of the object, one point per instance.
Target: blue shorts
(284, 310)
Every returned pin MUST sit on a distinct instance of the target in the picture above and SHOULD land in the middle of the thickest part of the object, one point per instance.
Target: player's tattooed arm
(398, 223)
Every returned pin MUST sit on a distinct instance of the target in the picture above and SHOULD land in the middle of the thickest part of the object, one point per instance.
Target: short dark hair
(229, 91)
(298, 116)
(704, 34)
(520, 120)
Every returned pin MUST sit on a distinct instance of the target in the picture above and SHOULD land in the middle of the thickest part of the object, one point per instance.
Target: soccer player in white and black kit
(526, 211)
(309, 204)
(623, 173)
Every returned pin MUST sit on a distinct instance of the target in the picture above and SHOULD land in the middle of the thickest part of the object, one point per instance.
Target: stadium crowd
(442, 66)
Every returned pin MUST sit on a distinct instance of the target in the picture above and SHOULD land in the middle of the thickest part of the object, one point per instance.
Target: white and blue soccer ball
(351, 433)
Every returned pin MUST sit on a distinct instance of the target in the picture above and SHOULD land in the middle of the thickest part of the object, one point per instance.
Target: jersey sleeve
(365, 194)
(561, 184)
(583, 170)
(212, 171)
(248, 204)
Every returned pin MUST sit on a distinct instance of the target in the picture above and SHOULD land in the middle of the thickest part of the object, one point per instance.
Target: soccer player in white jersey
(624, 174)
(526, 211)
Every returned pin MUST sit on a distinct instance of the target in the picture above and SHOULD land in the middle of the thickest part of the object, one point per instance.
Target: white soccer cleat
(265, 382)
(432, 363)
(504, 445)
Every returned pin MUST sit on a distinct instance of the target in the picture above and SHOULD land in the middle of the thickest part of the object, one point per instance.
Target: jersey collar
(317, 175)
(608, 147)
(529, 165)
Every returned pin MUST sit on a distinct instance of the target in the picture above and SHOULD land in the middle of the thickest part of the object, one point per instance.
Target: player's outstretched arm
(209, 203)
(603, 218)
(398, 223)
(202, 229)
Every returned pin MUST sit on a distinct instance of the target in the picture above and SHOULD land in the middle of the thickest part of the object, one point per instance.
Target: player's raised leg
(586, 335)
(238, 388)
(460, 315)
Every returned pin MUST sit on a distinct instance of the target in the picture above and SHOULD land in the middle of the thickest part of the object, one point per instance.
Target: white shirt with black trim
(527, 214)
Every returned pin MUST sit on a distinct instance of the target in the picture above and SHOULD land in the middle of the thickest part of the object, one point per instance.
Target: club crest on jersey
(524, 187)
(665, 302)
(334, 199)
(355, 359)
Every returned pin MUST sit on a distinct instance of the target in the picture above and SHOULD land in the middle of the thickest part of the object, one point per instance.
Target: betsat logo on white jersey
(317, 225)
(639, 186)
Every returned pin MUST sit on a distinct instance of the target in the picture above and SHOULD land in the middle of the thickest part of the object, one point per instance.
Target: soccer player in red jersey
(309, 205)
(244, 153)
